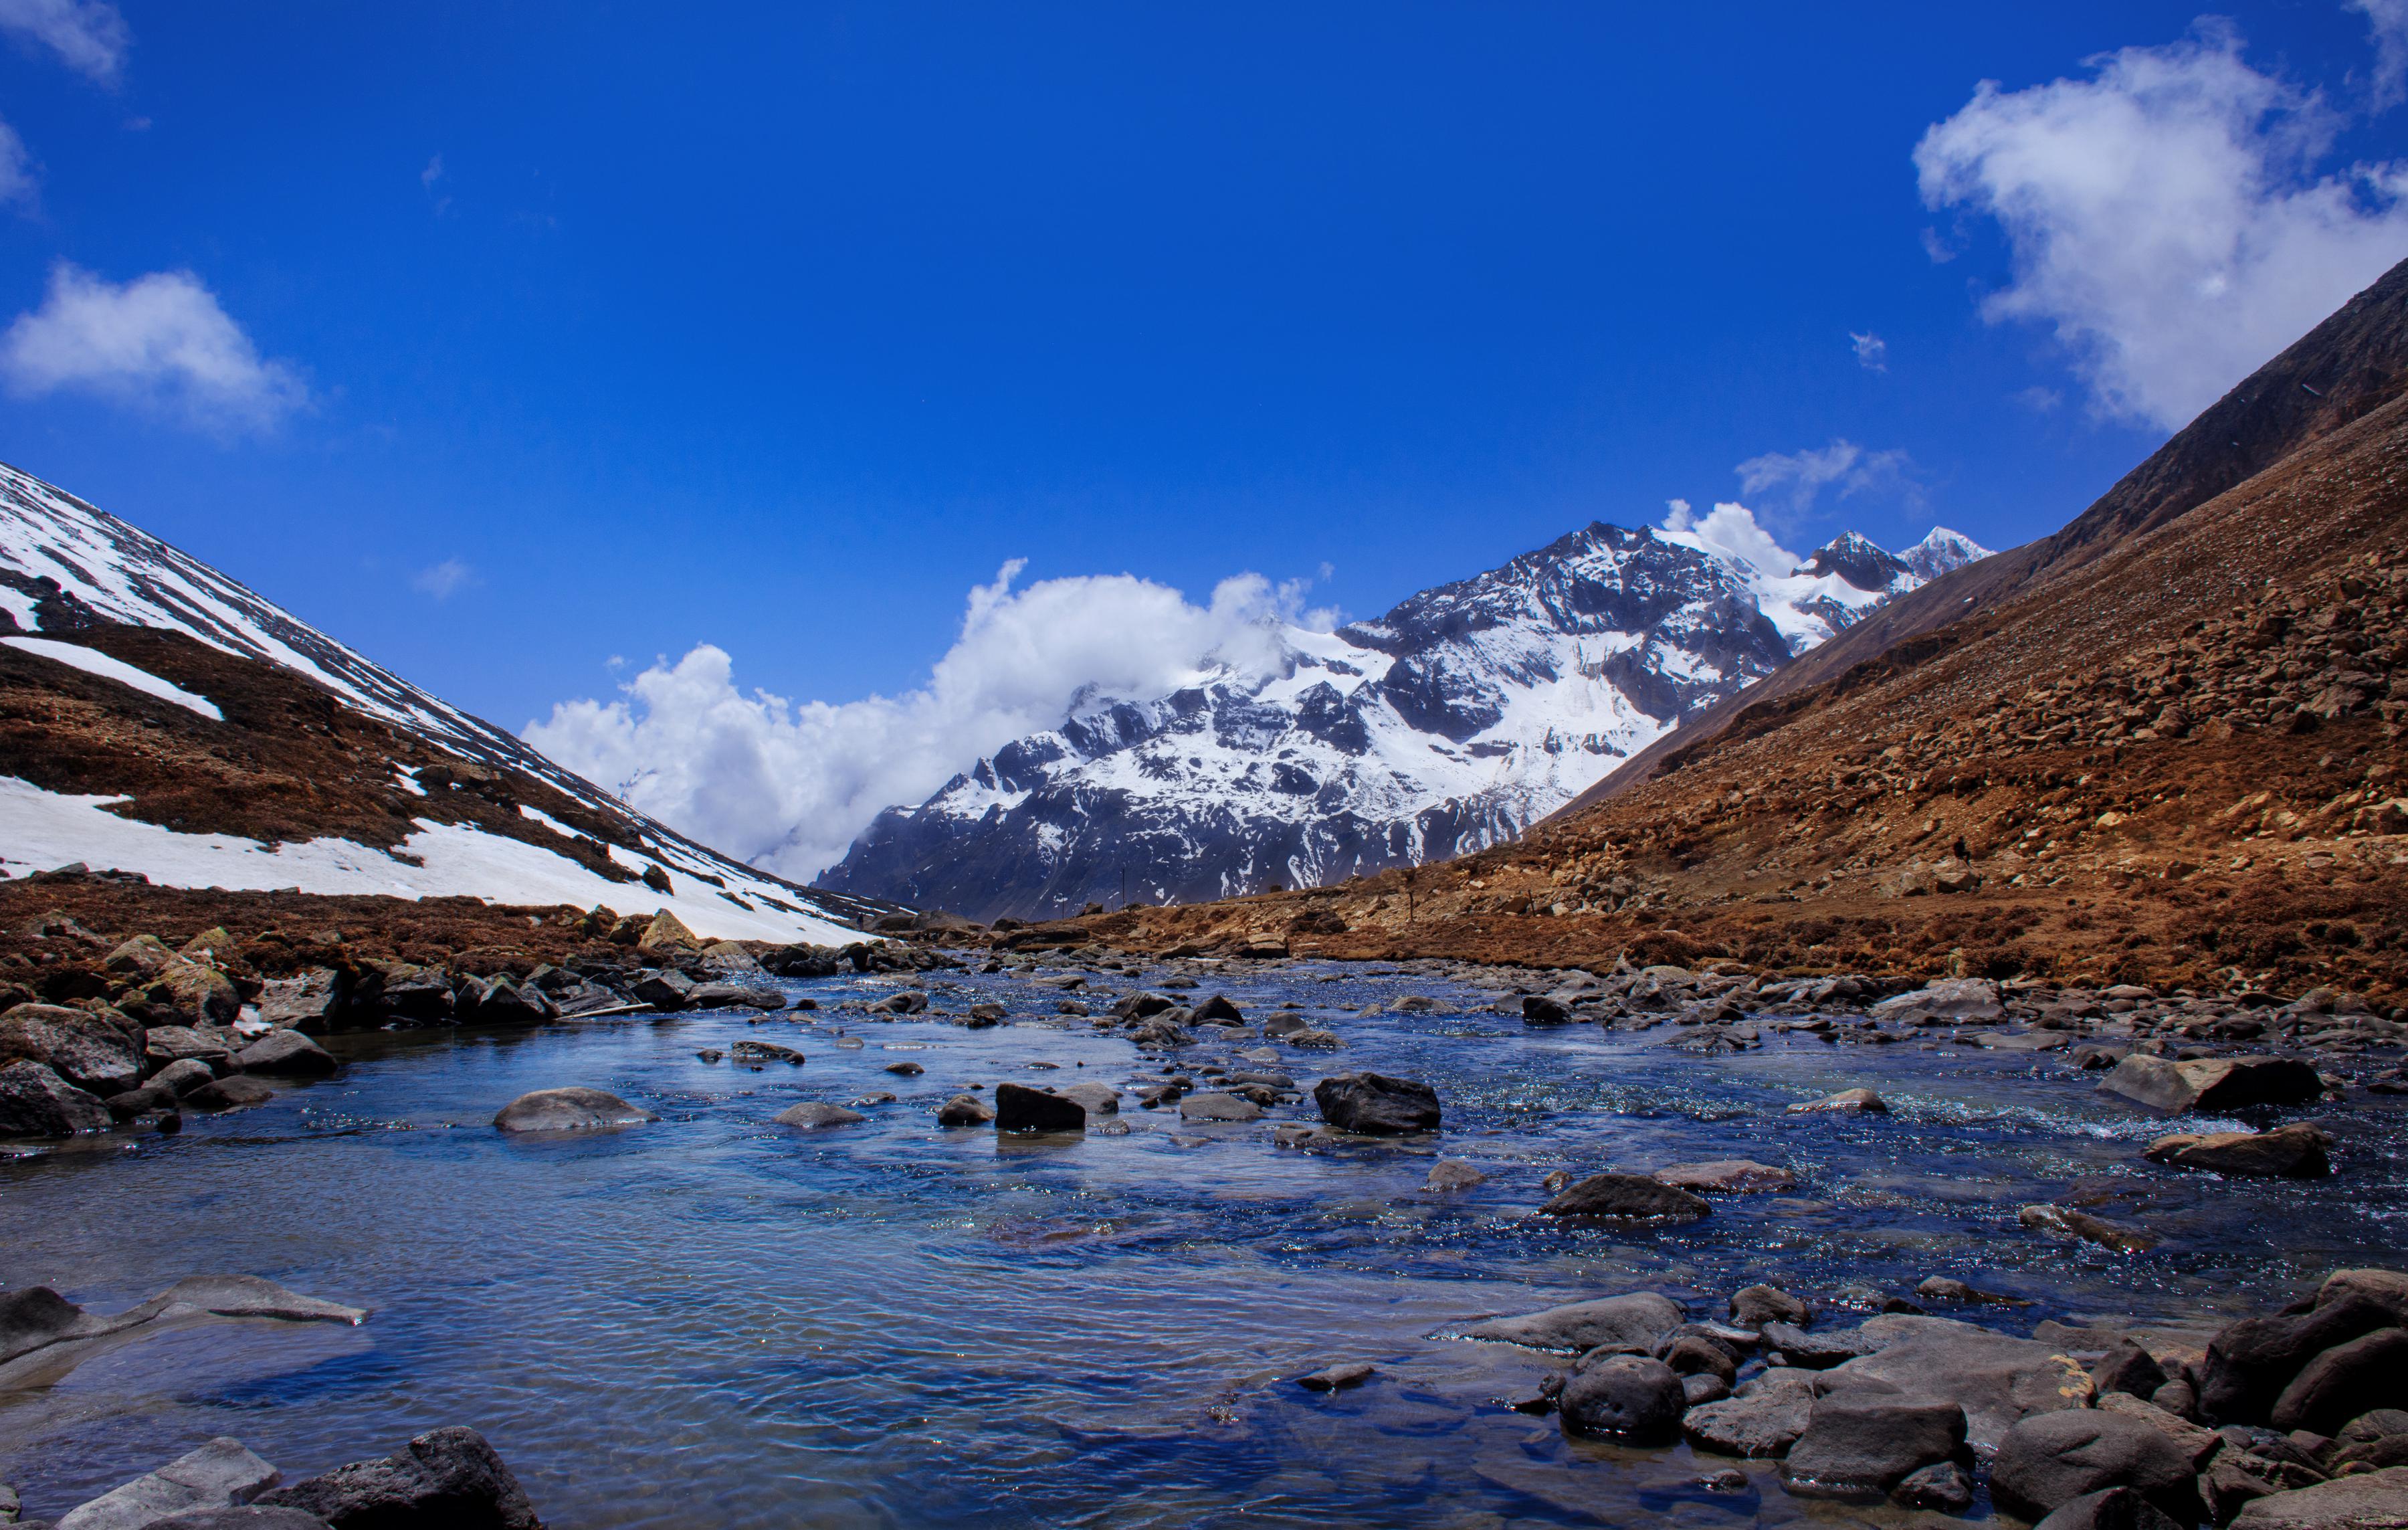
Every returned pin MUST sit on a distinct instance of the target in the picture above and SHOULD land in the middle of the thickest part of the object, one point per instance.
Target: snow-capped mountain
(1453, 722)
(437, 803)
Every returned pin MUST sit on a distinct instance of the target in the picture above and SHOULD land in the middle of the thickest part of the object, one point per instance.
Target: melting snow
(93, 661)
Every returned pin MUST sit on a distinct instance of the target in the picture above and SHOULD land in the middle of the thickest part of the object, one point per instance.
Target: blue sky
(576, 331)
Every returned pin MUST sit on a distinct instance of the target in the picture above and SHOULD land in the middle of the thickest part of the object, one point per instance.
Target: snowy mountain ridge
(1451, 722)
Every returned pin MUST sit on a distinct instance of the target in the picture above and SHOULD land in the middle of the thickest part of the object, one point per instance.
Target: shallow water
(713, 1320)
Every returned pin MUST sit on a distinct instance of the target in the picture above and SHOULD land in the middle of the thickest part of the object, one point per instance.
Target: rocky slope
(161, 720)
(2167, 751)
(1451, 723)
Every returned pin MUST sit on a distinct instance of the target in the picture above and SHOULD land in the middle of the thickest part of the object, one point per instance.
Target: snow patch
(93, 661)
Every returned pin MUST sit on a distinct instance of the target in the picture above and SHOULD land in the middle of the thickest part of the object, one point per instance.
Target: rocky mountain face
(1450, 723)
(2168, 752)
(160, 720)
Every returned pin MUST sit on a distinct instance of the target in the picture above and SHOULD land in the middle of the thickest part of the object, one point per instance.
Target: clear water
(713, 1320)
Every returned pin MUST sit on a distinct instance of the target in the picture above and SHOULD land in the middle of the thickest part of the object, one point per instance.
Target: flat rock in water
(1453, 1174)
(447, 1477)
(219, 1475)
(1214, 1105)
(1950, 999)
(249, 1297)
(1337, 1378)
(2212, 1084)
(571, 1109)
(1868, 1445)
(1997, 1379)
(1638, 1317)
(1375, 1104)
(1859, 1102)
(1634, 1196)
(1727, 1177)
(236, 1091)
(1096, 1099)
(1764, 1418)
(2066, 1223)
(2287, 1152)
(287, 1053)
(2375, 1500)
(813, 1115)
(1020, 1108)
(964, 1109)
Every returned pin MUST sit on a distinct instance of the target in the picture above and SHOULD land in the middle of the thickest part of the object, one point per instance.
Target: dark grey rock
(2128, 1367)
(1538, 1009)
(1997, 1379)
(571, 1109)
(218, 1475)
(1753, 1307)
(1020, 1108)
(2050, 1458)
(445, 1479)
(1818, 1352)
(1337, 1378)
(2345, 1381)
(1764, 1417)
(35, 1102)
(1218, 1007)
(82, 1047)
(813, 1115)
(1632, 1195)
(2211, 1086)
(664, 989)
(1636, 1319)
(2250, 1362)
(1943, 1486)
(1855, 1447)
(286, 1054)
(2114, 1508)
(237, 1092)
(1375, 1104)
(1623, 1396)
(241, 1517)
(964, 1110)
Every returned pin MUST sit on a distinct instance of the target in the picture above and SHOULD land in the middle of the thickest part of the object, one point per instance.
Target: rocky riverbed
(1232, 1268)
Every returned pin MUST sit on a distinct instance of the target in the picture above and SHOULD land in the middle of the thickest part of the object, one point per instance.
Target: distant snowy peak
(70, 572)
(1942, 551)
(1450, 722)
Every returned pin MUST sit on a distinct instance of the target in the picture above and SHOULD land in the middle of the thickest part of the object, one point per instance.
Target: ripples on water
(715, 1320)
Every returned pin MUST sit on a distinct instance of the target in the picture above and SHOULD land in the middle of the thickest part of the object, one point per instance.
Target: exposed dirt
(2175, 762)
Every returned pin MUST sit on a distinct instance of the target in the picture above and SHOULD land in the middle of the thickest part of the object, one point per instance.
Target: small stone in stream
(1941, 1287)
(1854, 1446)
(571, 1109)
(2345, 1381)
(1753, 1307)
(35, 1101)
(2115, 1508)
(1632, 1195)
(1096, 1099)
(983, 1015)
(2213, 1085)
(1313, 1039)
(1699, 1388)
(2128, 1367)
(2066, 1223)
(288, 1053)
(179, 1078)
(1623, 1396)
(237, 1092)
(878, 1098)
(907, 1069)
(1690, 1354)
(1453, 1174)
(1264, 1055)
(1816, 1351)
(1337, 1378)
(217, 1476)
(2287, 1152)
(1728, 1177)
(1538, 1009)
(811, 1115)
(711, 1054)
(1020, 1108)
(2050, 1458)
(1763, 1419)
(1943, 1486)
(1858, 1102)
(765, 1051)
(1556, 1180)
(1375, 1104)
(1216, 1105)
(1218, 1007)
(964, 1110)
(1638, 1318)
(448, 1477)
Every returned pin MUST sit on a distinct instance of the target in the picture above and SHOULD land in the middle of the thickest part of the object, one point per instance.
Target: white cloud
(1797, 479)
(2165, 218)
(2387, 21)
(1733, 528)
(159, 341)
(16, 167)
(1873, 352)
(432, 173)
(2040, 401)
(788, 786)
(443, 580)
(88, 35)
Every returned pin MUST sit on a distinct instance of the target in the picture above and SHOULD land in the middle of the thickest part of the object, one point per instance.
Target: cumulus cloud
(16, 167)
(789, 786)
(2387, 21)
(1732, 528)
(1797, 479)
(1873, 352)
(443, 580)
(159, 341)
(2164, 215)
(88, 35)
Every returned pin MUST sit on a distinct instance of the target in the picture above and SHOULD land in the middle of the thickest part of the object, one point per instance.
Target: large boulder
(85, 1049)
(2211, 1086)
(1374, 1105)
(403, 991)
(235, 1092)
(200, 995)
(668, 936)
(166, 1044)
(139, 956)
(1997, 1379)
(667, 989)
(2250, 1363)
(1020, 1108)
(2345, 1381)
(2375, 1500)
(2114, 1508)
(1094, 1099)
(499, 1001)
(35, 1102)
(2051, 1459)
(311, 1001)
(1764, 1417)
(445, 1479)
(1623, 1396)
(728, 959)
(2287, 1152)
(219, 1475)
(1638, 1317)
(1855, 1446)
(1633, 1195)
(287, 1054)
(571, 1109)
(1951, 998)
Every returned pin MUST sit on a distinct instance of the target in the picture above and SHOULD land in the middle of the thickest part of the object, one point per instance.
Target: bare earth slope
(2166, 748)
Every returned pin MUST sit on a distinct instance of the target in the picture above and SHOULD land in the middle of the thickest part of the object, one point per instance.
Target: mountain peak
(1941, 552)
